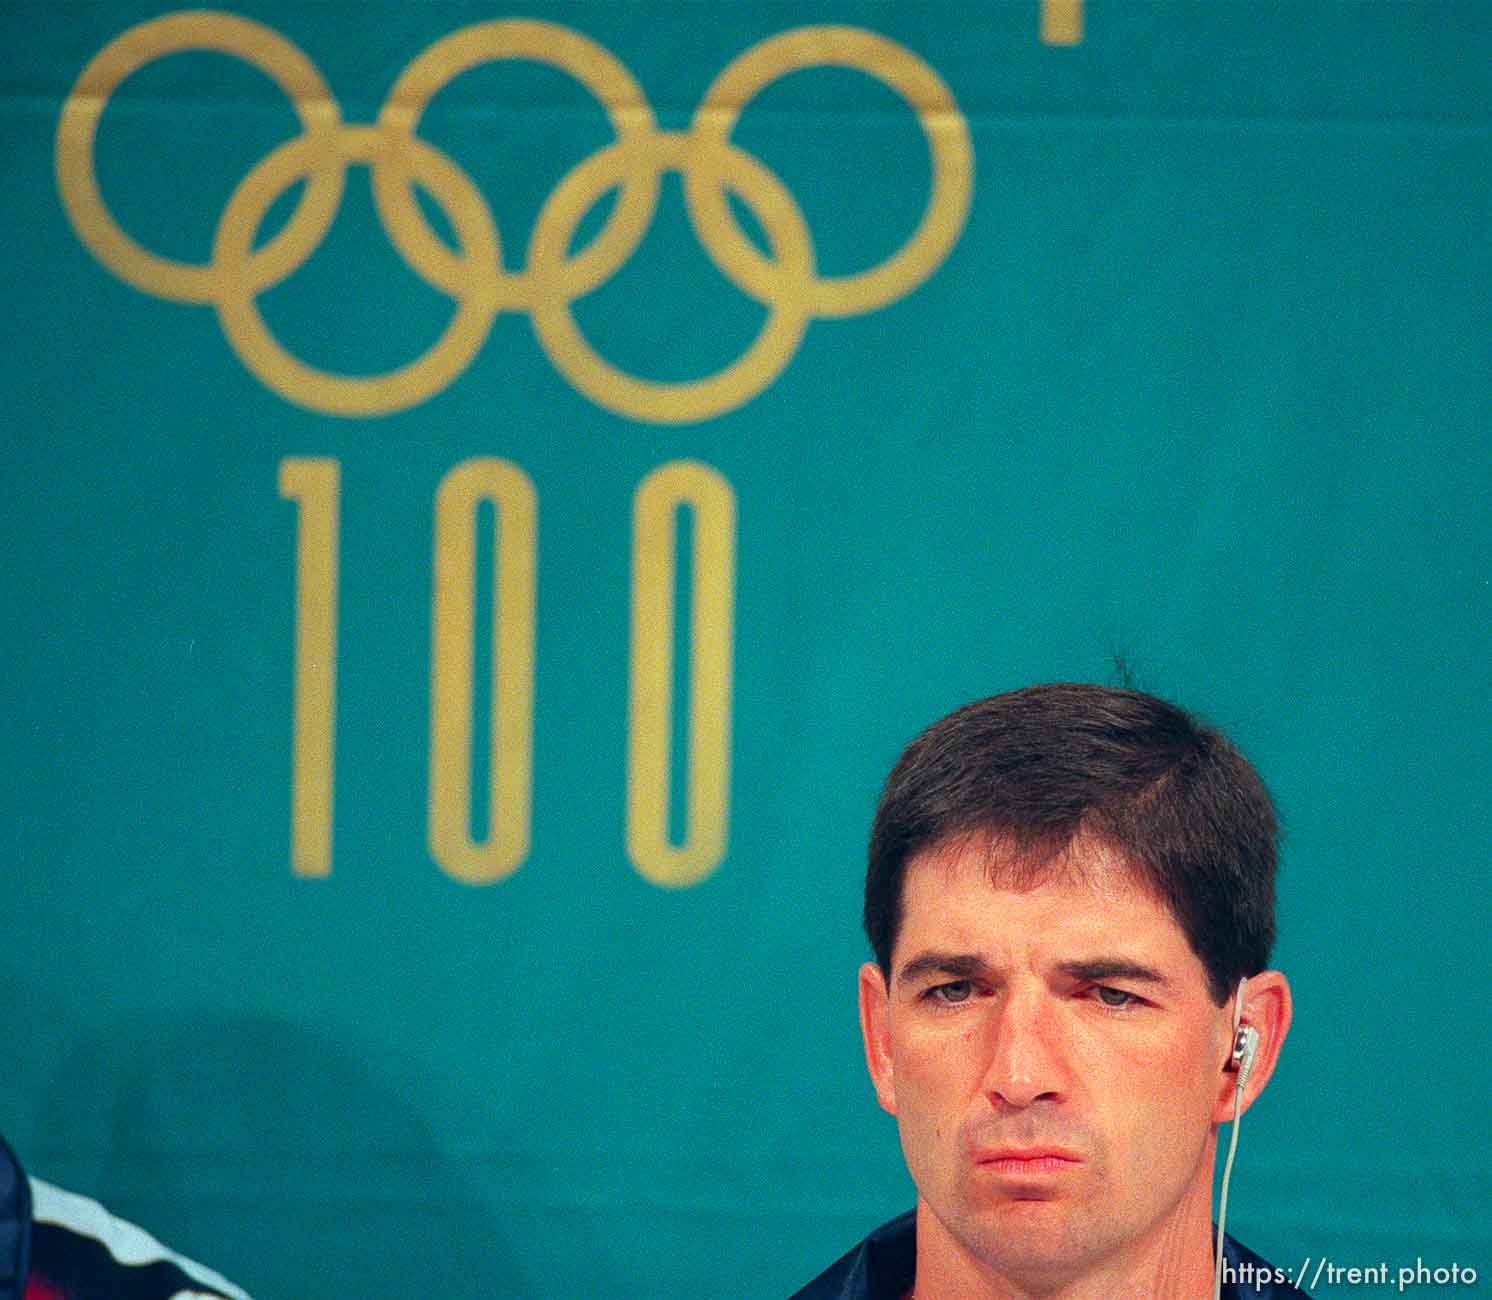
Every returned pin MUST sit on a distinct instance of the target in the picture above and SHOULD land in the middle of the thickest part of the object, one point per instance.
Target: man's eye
(1114, 997)
(958, 991)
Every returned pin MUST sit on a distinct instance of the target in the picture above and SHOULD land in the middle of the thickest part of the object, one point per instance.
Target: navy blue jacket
(882, 1266)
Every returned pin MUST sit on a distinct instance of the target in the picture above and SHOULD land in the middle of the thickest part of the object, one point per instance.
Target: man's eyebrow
(961, 965)
(1092, 970)
(1097, 969)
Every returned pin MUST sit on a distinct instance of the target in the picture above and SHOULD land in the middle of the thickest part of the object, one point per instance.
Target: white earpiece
(1245, 1048)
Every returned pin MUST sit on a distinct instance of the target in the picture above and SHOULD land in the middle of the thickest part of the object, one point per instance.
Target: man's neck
(1173, 1262)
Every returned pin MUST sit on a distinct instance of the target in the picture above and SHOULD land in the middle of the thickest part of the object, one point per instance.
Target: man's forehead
(976, 891)
(1084, 864)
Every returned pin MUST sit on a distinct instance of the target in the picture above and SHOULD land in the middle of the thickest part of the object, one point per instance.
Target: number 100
(314, 483)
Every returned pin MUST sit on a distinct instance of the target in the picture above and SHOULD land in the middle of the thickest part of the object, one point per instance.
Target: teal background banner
(491, 494)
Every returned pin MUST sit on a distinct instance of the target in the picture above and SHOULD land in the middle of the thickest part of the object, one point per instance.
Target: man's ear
(1267, 1007)
(875, 1028)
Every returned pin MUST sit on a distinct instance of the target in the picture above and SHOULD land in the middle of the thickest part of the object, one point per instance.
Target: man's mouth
(1028, 1161)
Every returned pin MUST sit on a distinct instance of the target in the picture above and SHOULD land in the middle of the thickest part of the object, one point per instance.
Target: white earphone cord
(1245, 1068)
(1222, 1202)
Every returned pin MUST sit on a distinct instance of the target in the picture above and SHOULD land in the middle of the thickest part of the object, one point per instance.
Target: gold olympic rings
(786, 283)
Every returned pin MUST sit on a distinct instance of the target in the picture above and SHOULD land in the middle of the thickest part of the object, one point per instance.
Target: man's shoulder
(883, 1266)
(880, 1268)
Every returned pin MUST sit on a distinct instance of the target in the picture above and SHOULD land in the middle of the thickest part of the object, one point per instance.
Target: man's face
(1053, 1060)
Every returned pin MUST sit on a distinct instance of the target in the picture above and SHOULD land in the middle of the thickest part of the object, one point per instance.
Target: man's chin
(1036, 1240)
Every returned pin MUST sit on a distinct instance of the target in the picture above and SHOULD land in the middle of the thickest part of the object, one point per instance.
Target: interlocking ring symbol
(786, 283)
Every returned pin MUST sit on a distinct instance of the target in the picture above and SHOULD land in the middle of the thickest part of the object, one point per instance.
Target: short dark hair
(1032, 769)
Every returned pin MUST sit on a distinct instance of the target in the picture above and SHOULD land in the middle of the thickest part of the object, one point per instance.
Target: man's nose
(1028, 1059)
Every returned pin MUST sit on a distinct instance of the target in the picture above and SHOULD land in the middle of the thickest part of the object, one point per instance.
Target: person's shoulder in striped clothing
(79, 1251)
